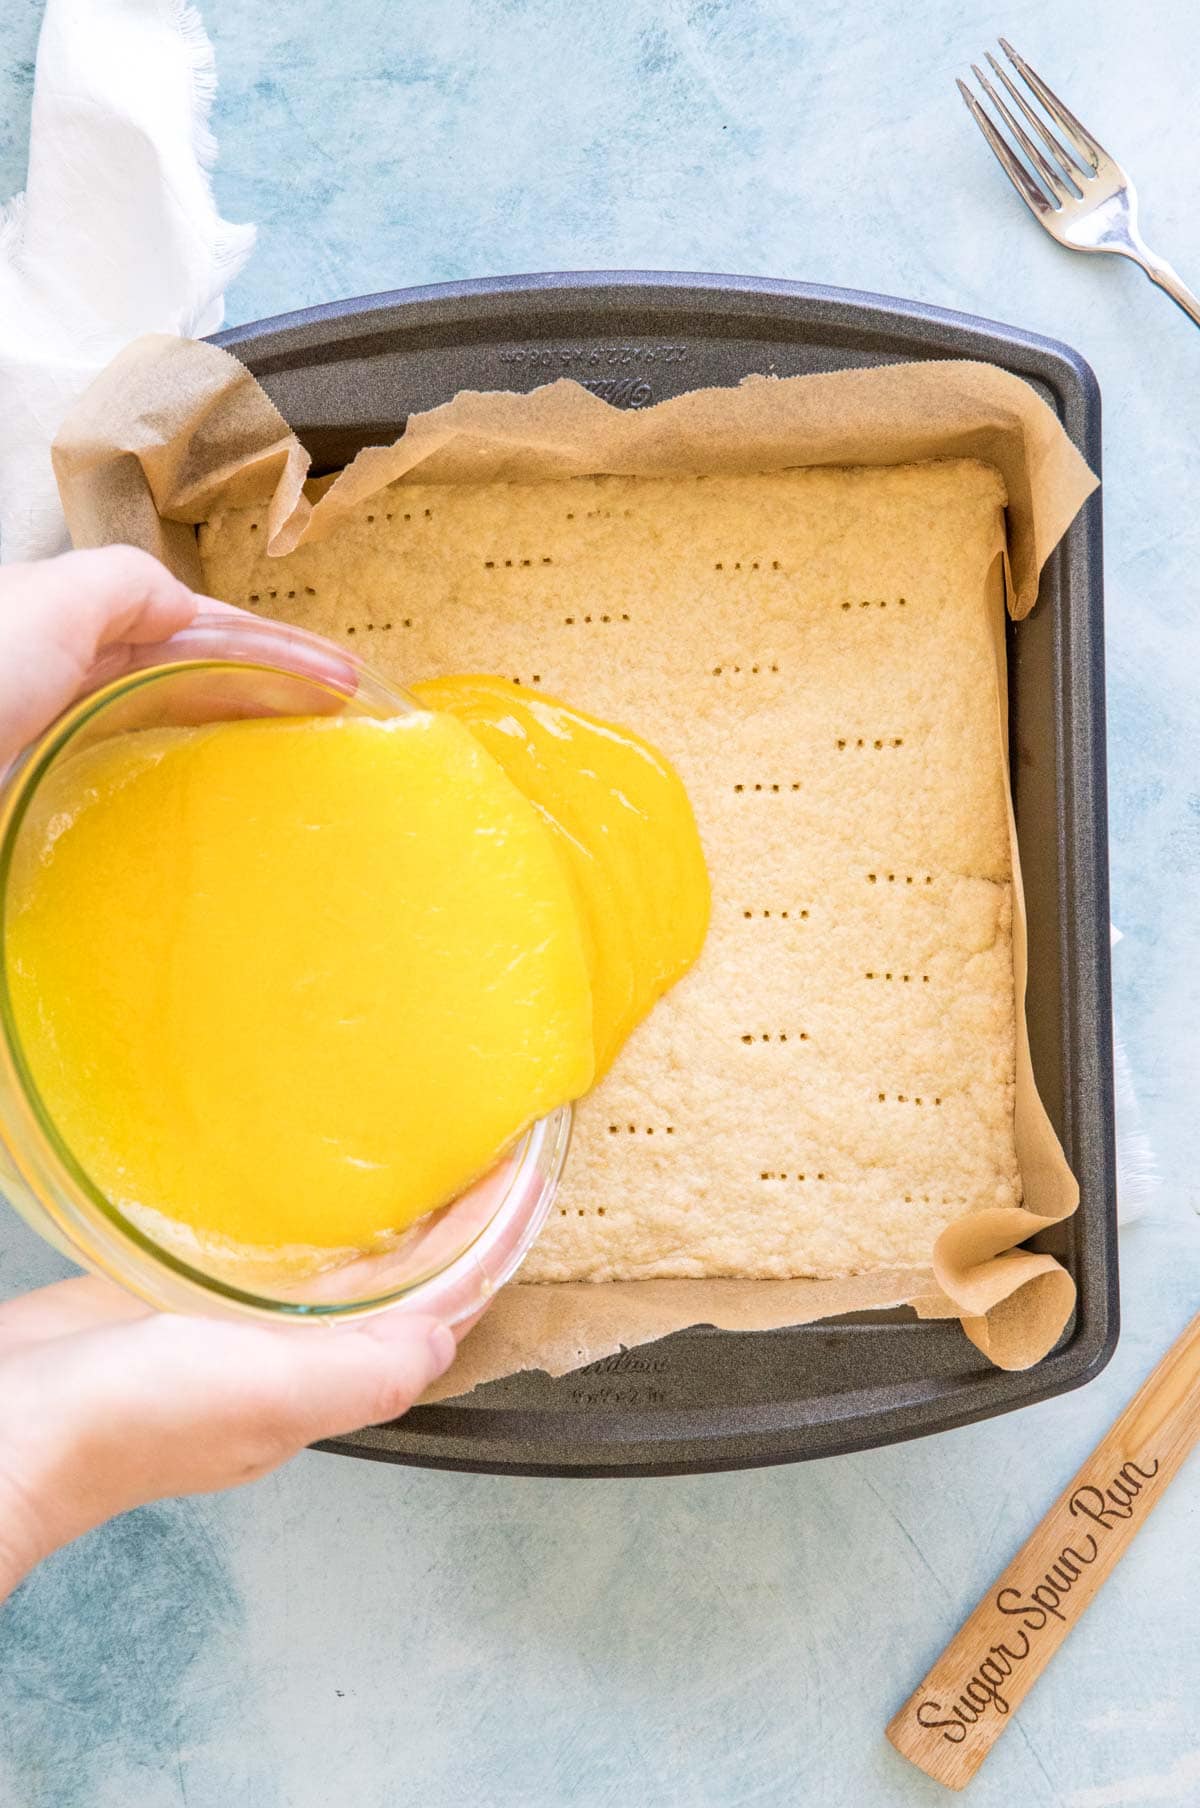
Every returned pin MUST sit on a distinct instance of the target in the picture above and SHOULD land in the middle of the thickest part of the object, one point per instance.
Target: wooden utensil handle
(948, 1726)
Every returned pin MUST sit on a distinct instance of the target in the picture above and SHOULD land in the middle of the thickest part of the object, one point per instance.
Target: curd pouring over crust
(295, 983)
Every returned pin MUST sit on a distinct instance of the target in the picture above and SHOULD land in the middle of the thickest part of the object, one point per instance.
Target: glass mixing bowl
(450, 1263)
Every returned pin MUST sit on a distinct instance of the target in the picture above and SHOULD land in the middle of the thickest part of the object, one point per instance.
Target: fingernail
(442, 1348)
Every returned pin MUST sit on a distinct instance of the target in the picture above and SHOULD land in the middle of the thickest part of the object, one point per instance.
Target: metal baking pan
(348, 375)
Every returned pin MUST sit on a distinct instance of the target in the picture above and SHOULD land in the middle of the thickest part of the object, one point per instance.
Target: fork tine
(1052, 177)
(1057, 149)
(1076, 131)
(1006, 157)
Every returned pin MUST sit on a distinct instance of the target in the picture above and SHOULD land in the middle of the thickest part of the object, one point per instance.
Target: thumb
(110, 1418)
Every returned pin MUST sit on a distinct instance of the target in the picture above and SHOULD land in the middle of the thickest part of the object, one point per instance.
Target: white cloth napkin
(116, 234)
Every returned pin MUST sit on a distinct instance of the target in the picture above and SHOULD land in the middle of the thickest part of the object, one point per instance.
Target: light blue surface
(351, 1634)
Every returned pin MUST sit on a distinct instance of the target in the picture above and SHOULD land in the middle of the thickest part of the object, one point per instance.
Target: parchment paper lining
(174, 430)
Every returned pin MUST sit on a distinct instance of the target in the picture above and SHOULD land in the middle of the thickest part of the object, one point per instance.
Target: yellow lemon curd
(297, 982)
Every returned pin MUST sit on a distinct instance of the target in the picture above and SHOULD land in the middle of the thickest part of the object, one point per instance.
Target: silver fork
(1075, 190)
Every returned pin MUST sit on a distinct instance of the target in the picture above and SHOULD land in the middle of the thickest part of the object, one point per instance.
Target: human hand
(58, 615)
(104, 1404)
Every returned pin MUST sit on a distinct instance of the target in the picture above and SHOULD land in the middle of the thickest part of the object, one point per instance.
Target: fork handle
(1172, 284)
